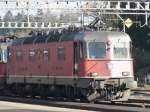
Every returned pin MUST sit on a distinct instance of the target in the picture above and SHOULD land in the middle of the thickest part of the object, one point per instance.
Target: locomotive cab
(105, 59)
(91, 53)
(102, 54)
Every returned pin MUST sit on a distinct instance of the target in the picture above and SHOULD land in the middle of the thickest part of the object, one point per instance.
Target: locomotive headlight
(94, 74)
(109, 66)
(125, 73)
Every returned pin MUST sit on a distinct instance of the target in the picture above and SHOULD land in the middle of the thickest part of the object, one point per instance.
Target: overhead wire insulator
(67, 2)
(77, 4)
(17, 4)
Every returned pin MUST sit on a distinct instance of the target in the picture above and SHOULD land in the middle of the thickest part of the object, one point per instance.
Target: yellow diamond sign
(128, 22)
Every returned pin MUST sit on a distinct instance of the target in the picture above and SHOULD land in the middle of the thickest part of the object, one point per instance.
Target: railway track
(140, 96)
(139, 101)
(131, 106)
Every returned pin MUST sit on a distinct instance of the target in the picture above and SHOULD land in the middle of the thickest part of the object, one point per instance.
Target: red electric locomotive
(78, 64)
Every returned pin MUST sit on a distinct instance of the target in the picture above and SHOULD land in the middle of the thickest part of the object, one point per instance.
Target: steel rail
(101, 106)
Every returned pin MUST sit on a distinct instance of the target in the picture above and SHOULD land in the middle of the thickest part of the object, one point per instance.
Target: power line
(113, 7)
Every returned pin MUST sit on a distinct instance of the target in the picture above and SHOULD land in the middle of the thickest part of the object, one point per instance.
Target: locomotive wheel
(126, 94)
(93, 96)
(89, 95)
(122, 96)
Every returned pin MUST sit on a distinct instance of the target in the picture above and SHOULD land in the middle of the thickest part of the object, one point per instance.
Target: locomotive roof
(71, 36)
(102, 36)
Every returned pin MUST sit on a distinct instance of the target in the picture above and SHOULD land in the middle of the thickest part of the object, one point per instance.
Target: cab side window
(32, 54)
(83, 50)
(9, 55)
(0, 54)
(46, 55)
(61, 53)
(19, 55)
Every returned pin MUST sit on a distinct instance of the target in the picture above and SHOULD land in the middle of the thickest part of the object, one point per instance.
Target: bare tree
(8, 16)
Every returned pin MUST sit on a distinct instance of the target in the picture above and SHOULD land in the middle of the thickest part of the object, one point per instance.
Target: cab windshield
(97, 50)
(120, 50)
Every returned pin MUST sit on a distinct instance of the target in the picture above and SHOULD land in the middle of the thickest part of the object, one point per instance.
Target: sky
(5, 6)
(14, 4)
(35, 4)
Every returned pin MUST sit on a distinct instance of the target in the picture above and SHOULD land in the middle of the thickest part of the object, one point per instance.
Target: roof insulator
(77, 4)
(17, 4)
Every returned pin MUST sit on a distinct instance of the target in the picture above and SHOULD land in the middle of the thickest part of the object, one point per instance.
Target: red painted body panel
(91, 66)
(54, 67)
(2, 70)
(86, 67)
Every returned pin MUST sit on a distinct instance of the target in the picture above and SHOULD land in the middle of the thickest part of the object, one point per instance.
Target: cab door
(76, 59)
